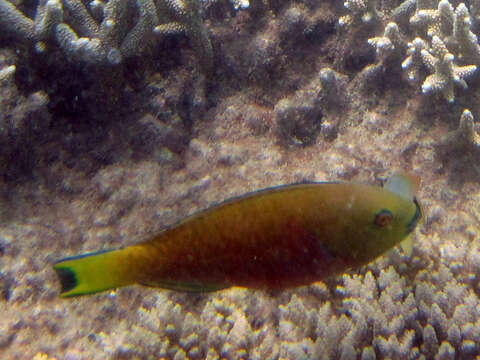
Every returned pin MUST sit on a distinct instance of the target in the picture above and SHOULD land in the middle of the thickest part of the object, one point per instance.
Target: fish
(275, 238)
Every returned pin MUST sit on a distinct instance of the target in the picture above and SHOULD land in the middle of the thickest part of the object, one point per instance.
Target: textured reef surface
(120, 117)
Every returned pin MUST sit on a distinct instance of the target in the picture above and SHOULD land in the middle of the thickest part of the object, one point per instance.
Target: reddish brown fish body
(273, 243)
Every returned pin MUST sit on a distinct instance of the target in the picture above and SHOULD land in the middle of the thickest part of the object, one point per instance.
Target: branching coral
(438, 22)
(446, 73)
(104, 33)
(389, 42)
(49, 14)
(359, 10)
(413, 64)
(379, 316)
(464, 139)
(466, 40)
(444, 44)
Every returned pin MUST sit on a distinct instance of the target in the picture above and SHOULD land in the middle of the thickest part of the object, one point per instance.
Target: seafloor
(98, 156)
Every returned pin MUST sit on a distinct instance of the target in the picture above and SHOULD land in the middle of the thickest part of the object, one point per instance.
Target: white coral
(7, 72)
(466, 40)
(386, 44)
(414, 63)
(445, 45)
(446, 73)
(362, 10)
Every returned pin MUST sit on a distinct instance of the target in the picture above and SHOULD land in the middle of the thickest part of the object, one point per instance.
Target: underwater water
(121, 118)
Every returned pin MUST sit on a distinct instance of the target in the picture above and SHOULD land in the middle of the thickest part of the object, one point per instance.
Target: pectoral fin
(407, 245)
(403, 184)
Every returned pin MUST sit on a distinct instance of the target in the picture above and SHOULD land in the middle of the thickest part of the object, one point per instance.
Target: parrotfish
(275, 238)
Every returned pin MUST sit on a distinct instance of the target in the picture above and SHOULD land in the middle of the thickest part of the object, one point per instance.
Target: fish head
(373, 221)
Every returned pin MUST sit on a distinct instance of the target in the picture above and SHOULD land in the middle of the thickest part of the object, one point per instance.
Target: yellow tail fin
(93, 272)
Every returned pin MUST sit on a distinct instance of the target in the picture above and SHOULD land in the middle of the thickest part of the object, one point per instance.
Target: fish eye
(383, 218)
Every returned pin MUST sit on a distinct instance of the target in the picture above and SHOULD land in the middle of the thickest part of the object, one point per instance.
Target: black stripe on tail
(67, 277)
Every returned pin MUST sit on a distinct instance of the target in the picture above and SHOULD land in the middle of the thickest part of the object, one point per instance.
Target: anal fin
(187, 286)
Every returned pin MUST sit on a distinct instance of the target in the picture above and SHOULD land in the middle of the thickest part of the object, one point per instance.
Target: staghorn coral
(466, 40)
(104, 34)
(444, 44)
(48, 15)
(413, 63)
(388, 43)
(359, 10)
(458, 148)
(466, 135)
(435, 22)
(446, 74)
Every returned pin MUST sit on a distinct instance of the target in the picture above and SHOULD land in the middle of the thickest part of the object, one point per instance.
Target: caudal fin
(93, 272)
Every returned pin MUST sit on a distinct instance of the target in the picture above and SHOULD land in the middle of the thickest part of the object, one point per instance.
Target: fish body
(274, 238)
